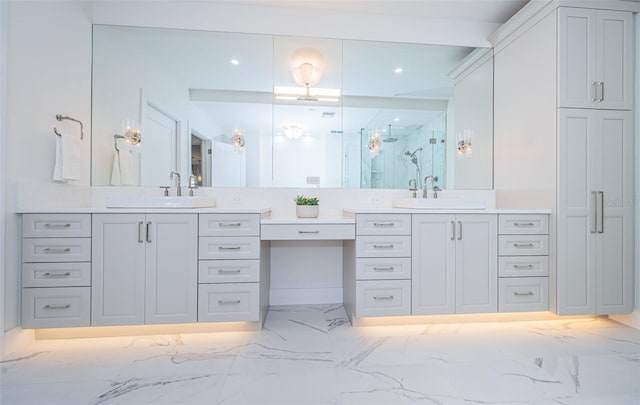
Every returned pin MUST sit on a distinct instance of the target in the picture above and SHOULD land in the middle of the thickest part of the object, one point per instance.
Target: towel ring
(115, 141)
(66, 117)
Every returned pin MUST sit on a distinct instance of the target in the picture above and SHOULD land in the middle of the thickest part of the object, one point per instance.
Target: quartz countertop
(105, 210)
(307, 221)
(391, 210)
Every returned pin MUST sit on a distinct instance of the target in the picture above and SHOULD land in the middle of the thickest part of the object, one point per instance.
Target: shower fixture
(389, 138)
(414, 160)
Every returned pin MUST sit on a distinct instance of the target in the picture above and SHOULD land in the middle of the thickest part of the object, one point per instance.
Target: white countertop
(105, 210)
(307, 221)
(390, 210)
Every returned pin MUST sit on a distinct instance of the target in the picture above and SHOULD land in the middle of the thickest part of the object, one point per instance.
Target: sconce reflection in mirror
(307, 66)
(464, 144)
(292, 131)
(374, 141)
(238, 139)
(132, 135)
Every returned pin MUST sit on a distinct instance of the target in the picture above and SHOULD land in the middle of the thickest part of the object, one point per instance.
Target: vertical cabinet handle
(601, 92)
(595, 212)
(453, 226)
(140, 232)
(149, 232)
(460, 225)
(601, 211)
(594, 87)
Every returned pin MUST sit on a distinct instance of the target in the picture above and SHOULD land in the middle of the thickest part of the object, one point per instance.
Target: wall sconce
(307, 65)
(464, 144)
(292, 131)
(132, 135)
(237, 139)
(374, 142)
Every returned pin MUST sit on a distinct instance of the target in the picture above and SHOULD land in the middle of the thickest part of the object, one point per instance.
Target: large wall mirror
(243, 110)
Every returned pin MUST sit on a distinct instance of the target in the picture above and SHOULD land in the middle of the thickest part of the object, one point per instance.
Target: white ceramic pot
(307, 211)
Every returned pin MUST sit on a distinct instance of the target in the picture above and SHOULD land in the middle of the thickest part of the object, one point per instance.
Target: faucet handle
(191, 188)
(166, 190)
(435, 191)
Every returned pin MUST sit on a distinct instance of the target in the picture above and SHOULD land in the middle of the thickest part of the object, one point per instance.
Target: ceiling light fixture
(292, 131)
(307, 65)
(235, 62)
(398, 70)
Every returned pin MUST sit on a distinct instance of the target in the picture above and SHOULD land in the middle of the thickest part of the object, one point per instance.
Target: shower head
(390, 139)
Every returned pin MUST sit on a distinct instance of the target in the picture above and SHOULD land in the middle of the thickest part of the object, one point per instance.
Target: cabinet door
(476, 263)
(433, 264)
(614, 240)
(577, 160)
(171, 268)
(117, 273)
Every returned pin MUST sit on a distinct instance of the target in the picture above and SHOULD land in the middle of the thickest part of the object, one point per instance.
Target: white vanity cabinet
(454, 263)
(230, 287)
(56, 270)
(144, 269)
(595, 58)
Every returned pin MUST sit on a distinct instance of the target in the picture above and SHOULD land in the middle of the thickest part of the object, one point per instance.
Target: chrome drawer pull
(53, 307)
(315, 232)
(228, 302)
(54, 275)
(390, 268)
(520, 267)
(229, 225)
(521, 294)
(383, 246)
(383, 224)
(523, 224)
(383, 297)
(228, 271)
(229, 248)
(57, 225)
(58, 251)
(519, 245)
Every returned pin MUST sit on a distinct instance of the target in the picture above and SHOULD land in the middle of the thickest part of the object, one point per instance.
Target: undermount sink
(159, 202)
(440, 203)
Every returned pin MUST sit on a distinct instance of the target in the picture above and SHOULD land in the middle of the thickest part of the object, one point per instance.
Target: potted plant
(307, 207)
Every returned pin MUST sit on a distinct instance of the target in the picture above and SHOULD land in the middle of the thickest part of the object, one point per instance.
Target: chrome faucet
(413, 187)
(425, 190)
(178, 187)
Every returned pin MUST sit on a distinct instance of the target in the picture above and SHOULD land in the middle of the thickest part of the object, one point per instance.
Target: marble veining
(311, 355)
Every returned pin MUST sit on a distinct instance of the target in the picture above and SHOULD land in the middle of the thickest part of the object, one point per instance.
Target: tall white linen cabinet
(564, 139)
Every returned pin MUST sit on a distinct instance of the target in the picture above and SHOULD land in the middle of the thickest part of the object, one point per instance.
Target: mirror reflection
(242, 110)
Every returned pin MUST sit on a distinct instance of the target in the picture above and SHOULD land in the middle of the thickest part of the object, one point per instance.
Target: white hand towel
(57, 168)
(115, 170)
(71, 157)
(126, 169)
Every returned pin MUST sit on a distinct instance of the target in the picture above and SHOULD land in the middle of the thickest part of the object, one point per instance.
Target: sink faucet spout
(178, 187)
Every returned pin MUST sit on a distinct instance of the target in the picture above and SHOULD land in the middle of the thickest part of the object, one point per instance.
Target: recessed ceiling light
(396, 119)
(398, 70)
(235, 62)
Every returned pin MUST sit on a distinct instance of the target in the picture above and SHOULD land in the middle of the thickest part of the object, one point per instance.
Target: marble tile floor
(311, 355)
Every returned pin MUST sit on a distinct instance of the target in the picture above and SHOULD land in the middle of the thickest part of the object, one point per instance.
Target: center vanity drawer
(228, 271)
(308, 232)
(383, 246)
(229, 225)
(383, 224)
(56, 225)
(523, 266)
(383, 298)
(523, 294)
(229, 248)
(228, 302)
(56, 307)
(510, 245)
(56, 249)
(73, 274)
(383, 268)
(523, 224)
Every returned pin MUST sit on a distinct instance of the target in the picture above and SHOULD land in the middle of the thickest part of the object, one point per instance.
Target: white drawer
(383, 268)
(56, 307)
(73, 274)
(383, 246)
(228, 271)
(383, 298)
(228, 302)
(535, 224)
(523, 266)
(307, 232)
(383, 224)
(229, 248)
(56, 249)
(523, 294)
(56, 225)
(229, 225)
(523, 245)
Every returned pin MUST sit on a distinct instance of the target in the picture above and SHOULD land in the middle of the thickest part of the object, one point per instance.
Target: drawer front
(383, 224)
(228, 302)
(383, 298)
(523, 294)
(383, 246)
(56, 225)
(523, 245)
(56, 249)
(523, 224)
(73, 274)
(308, 232)
(523, 266)
(228, 271)
(229, 225)
(229, 248)
(57, 307)
(383, 268)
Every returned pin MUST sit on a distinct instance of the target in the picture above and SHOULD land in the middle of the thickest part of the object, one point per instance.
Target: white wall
(3, 116)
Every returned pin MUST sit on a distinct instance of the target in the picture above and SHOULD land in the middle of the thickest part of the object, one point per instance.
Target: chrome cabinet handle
(518, 245)
(390, 268)
(140, 232)
(48, 225)
(228, 302)
(149, 232)
(383, 297)
(594, 86)
(521, 294)
(383, 246)
(54, 275)
(228, 247)
(383, 224)
(521, 267)
(453, 226)
(523, 224)
(460, 225)
(56, 251)
(53, 307)
(595, 212)
(314, 232)
(601, 211)
(229, 225)
(601, 91)
(228, 271)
